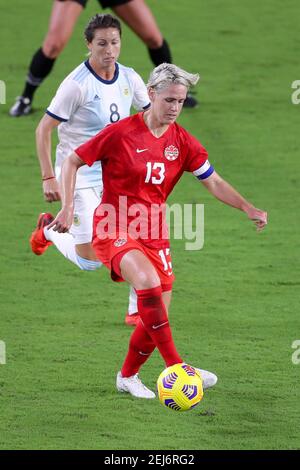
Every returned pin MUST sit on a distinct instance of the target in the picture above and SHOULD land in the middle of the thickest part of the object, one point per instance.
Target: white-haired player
(143, 158)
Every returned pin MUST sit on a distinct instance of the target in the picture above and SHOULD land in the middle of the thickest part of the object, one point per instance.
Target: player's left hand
(259, 217)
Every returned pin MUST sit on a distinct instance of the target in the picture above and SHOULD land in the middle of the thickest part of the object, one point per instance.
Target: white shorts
(85, 202)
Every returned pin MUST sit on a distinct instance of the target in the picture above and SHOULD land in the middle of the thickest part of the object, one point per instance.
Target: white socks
(65, 243)
(132, 307)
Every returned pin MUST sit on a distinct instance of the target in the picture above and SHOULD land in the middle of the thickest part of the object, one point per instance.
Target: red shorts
(106, 250)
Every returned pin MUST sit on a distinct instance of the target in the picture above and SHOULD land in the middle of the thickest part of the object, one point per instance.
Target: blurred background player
(135, 13)
(144, 261)
(98, 92)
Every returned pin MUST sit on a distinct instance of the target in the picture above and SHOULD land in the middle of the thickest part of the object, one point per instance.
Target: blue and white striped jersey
(85, 104)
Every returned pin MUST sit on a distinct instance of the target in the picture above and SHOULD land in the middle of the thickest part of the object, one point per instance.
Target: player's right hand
(62, 221)
(51, 190)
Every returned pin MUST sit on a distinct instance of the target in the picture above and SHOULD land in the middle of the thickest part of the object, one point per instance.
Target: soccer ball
(179, 387)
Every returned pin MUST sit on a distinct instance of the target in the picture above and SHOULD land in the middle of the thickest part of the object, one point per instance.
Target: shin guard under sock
(154, 316)
(140, 349)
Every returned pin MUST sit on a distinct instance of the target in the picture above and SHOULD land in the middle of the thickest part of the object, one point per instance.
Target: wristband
(49, 178)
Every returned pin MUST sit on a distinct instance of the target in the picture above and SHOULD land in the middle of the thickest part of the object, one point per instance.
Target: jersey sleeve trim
(204, 171)
(54, 116)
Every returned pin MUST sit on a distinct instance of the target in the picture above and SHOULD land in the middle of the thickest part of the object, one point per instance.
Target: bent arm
(228, 195)
(43, 145)
(64, 218)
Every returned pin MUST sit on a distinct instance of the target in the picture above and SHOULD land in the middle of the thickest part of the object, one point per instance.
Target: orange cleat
(38, 242)
(132, 320)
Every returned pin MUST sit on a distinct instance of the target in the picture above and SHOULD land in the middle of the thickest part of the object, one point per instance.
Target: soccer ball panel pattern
(179, 387)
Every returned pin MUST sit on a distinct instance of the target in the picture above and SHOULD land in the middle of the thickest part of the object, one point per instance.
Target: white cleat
(208, 378)
(134, 386)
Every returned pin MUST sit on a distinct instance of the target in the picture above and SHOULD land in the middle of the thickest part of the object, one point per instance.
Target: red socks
(140, 348)
(152, 331)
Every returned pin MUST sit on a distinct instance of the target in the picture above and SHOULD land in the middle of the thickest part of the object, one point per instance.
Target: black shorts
(103, 3)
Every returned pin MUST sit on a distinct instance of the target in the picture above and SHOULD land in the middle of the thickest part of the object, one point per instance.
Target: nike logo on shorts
(158, 326)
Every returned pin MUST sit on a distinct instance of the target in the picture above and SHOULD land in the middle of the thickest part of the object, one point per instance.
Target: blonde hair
(167, 74)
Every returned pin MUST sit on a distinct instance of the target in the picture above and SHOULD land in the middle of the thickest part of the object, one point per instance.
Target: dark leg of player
(39, 68)
(160, 54)
(137, 15)
(63, 19)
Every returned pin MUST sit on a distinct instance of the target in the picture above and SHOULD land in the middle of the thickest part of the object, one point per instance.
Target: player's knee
(148, 280)
(53, 45)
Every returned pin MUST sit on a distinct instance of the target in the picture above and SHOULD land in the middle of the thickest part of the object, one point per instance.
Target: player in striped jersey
(143, 158)
(98, 92)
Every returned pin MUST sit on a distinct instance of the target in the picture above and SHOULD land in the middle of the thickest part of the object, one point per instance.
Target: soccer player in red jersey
(143, 157)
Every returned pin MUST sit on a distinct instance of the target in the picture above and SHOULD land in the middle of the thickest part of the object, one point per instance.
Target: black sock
(39, 69)
(160, 55)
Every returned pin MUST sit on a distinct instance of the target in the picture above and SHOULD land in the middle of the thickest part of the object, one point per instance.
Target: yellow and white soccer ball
(179, 387)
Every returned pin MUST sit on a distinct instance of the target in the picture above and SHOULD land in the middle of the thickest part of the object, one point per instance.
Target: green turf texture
(235, 306)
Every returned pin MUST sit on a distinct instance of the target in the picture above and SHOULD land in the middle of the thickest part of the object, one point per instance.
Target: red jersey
(139, 172)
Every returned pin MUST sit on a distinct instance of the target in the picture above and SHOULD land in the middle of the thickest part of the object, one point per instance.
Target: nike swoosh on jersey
(158, 326)
(140, 150)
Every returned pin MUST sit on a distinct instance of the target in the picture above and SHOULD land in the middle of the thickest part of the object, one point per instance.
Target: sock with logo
(155, 321)
(140, 349)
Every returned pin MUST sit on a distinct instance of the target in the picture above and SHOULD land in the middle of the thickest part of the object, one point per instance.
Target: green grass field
(235, 305)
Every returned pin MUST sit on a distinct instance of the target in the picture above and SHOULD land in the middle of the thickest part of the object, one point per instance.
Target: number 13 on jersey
(155, 172)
